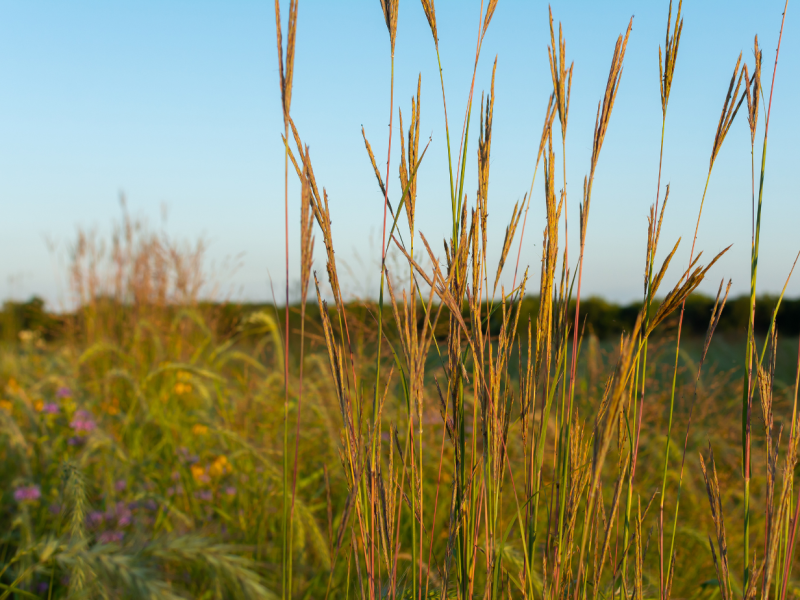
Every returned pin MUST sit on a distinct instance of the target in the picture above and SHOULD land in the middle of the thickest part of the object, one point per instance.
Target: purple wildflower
(83, 422)
(96, 517)
(76, 440)
(120, 485)
(110, 537)
(230, 490)
(28, 493)
(204, 495)
(51, 408)
(64, 392)
(187, 456)
(124, 515)
(43, 587)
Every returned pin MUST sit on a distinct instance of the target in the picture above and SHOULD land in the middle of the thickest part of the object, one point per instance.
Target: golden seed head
(390, 8)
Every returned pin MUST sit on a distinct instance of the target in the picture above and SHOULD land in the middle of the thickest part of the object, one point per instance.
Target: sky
(176, 105)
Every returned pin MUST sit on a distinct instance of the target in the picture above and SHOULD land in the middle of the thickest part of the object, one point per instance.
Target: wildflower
(6, 406)
(199, 429)
(83, 422)
(64, 392)
(120, 485)
(189, 458)
(38, 406)
(29, 493)
(230, 491)
(182, 388)
(76, 440)
(43, 587)
(50, 408)
(220, 467)
(125, 518)
(204, 495)
(12, 387)
(199, 473)
(110, 537)
(96, 517)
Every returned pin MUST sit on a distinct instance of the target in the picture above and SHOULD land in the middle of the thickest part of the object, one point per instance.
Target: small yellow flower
(182, 388)
(12, 386)
(220, 467)
(38, 405)
(199, 429)
(6, 405)
(198, 473)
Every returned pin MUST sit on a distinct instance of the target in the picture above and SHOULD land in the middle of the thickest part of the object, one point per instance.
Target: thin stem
(640, 413)
(380, 332)
(753, 277)
(287, 529)
(672, 404)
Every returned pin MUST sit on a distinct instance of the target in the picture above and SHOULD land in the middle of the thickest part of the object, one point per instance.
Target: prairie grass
(453, 439)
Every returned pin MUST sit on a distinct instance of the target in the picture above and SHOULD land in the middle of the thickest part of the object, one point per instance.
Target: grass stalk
(286, 71)
(747, 400)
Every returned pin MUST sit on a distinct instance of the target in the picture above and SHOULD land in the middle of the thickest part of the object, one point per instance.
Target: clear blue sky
(177, 103)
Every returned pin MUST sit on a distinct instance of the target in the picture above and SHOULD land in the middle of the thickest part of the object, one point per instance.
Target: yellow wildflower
(199, 429)
(220, 467)
(6, 405)
(198, 473)
(182, 388)
(12, 386)
(38, 405)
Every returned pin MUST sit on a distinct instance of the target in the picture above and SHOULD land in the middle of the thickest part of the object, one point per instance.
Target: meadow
(450, 438)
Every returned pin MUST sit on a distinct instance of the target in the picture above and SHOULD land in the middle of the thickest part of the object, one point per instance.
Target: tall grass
(563, 466)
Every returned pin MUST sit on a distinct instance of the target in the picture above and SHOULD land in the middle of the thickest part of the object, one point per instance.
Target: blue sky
(177, 104)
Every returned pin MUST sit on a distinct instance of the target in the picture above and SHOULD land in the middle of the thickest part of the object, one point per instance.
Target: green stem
(643, 373)
(287, 529)
(672, 403)
(376, 401)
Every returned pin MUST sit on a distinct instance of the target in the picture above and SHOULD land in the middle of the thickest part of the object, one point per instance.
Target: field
(451, 438)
